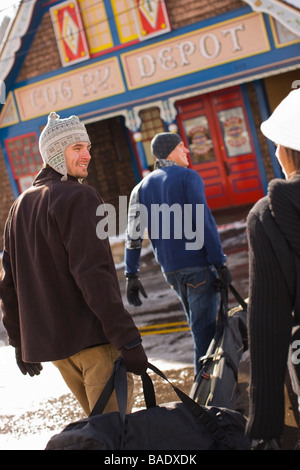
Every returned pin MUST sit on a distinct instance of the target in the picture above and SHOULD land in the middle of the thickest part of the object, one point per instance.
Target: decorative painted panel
(285, 14)
(9, 113)
(69, 31)
(152, 18)
(283, 36)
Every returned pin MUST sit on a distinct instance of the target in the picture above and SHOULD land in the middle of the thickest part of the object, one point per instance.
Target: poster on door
(235, 134)
(199, 139)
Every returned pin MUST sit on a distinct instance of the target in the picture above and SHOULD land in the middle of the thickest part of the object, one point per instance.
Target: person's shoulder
(261, 215)
(284, 198)
(260, 206)
(72, 190)
(192, 177)
(279, 187)
(182, 169)
(191, 173)
(76, 186)
(260, 209)
(189, 178)
(185, 172)
(276, 186)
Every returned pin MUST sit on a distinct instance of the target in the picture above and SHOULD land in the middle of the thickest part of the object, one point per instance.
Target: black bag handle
(197, 410)
(239, 298)
(118, 382)
(222, 319)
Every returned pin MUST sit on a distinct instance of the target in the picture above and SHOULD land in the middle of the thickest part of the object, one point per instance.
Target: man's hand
(134, 357)
(133, 288)
(225, 275)
(31, 368)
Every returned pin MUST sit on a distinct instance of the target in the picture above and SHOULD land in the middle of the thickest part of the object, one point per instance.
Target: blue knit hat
(163, 144)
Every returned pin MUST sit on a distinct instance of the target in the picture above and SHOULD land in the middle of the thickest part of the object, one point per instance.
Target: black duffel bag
(216, 382)
(183, 425)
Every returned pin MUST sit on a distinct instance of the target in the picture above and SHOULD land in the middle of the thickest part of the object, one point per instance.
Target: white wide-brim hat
(283, 126)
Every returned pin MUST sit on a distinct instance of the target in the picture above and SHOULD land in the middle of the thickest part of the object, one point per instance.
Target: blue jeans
(199, 297)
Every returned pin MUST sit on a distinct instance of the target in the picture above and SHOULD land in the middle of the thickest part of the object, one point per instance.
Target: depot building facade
(130, 69)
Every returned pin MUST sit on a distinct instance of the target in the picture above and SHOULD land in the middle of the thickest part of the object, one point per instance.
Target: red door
(218, 135)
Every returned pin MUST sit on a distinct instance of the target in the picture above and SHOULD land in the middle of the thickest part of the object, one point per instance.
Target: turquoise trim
(265, 113)
(253, 131)
(142, 155)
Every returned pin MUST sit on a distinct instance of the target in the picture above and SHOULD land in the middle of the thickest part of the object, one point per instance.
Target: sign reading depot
(207, 47)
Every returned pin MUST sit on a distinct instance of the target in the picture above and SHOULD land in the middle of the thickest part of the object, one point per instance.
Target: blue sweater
(181, 228)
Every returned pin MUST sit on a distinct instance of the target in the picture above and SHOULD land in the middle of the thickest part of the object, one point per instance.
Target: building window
(151, 124)
(96, 25)
(125, 20)
(25, 159)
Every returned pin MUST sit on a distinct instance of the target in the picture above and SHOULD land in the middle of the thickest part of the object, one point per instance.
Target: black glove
(133, 287)
(224, 275)
(32, 368)
(265, 444)
(135, 357)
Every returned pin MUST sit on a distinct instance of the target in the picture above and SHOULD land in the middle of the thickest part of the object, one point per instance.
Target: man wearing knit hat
(59, 290)
(190, 267)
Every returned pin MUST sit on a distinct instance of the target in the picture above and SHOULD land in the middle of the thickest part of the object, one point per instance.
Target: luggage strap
(118, 381)
(205, 361)
(197, 410)
(238, 297)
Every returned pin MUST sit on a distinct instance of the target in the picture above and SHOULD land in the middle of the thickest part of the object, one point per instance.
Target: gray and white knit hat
(163, 144)
(57, 135)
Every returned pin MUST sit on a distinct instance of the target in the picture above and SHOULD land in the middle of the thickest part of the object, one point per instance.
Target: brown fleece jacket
(59, 288)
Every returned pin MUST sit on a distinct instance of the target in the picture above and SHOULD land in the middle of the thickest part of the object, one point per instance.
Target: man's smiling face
(77, 159)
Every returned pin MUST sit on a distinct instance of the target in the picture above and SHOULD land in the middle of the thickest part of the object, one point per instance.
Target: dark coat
(59, 288)
(274, 301)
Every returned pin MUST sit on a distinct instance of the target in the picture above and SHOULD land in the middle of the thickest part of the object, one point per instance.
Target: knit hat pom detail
(53, 116)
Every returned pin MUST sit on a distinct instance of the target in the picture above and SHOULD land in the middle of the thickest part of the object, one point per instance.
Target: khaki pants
(86, 374)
